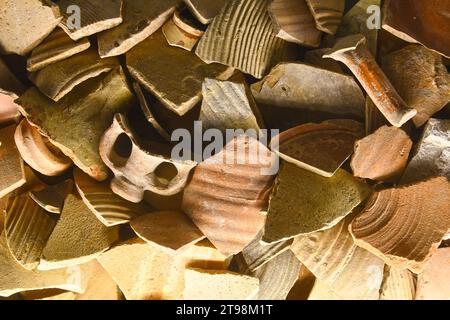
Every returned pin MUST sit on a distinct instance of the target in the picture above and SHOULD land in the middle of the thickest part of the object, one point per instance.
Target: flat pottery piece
(434, 282)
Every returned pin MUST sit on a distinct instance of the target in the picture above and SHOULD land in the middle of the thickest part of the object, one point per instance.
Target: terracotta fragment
(180, 32)
(96, 16)
(110, 92)
(398, 284)
(25, 23)
(434, 282)
(327, 14)
(382, 156)
(141, 18)
(320, 148)
(51, 198)
(56, 47)
(400, 19)
(303, 202)
(243, 24)
(300, 86)
(405, 225)
(173, 75)
(205, 10)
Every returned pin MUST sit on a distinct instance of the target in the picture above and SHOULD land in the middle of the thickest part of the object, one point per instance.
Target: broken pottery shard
(382, 156)
(95, 16)
(205, 10)
(169, 230)
(398, 284)
(320, 148)
(321, 291)
(420, 78)
(27, 229)
(401, 16)
(293, 22)
(327, 13)
(432, 157)
(300, 86)
(108, 207)
(242, 36)
(38, 152)
(227, 193)
(10, 88)
(315, 58)
(303, 202)
(51, 198)
(181, 31)
(12, 173)
(218, 285)
(77, 238)
(405, 225)
(25, 23)
(137, 170)
(76, 123)
(58, 79)
(141, 19)
(173, 75)
(434, 282)
(56, 47)
(333, 257)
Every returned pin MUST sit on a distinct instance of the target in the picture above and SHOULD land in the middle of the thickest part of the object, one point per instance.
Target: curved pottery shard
(401, 16)
(51, 198)
(108, 207)
(434, 282)
(135, 169)
(227, 193)
(242, 36)
(332, 256)
(382, 156)
(303, 202)
(58, 79)
(27, 228)
(38, 152)
(327, 13)
(76, 123)
(404, 226)
(10, 87)
(294, 23)
(205, 10)
(319, 148)
(181, 32)
(398, 284)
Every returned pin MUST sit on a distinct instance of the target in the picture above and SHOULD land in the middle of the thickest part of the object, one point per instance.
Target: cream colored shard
(242, 36)
(322, 291)
(303, 202)
(434, 282)
(95, 16)
(56, 47)
(77, 238)
(218, 285)
(398, 284)
(205, 10)
(52, 197)
(327, 13)
(141, 18)
(25, 23)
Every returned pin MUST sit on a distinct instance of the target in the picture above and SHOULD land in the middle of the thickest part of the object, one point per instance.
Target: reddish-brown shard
(434, 282)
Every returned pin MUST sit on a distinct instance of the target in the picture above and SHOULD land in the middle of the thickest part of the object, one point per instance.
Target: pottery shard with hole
(137, 170)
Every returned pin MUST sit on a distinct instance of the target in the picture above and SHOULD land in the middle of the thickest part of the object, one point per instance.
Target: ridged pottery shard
(75, 123)
(12, 174)
(137, 170)
(168, 230)
(51, 198)
(382, 156)
(242, 36)
(404, 226)
(332, 256)
(218, 285)
(56, 47)
(327, 13)
(77, 238)
(434, 282)
(58, 79)
(205, 10)
(432, 156)
(398, 284)
(181, 32)
(300, 86)
(27, 229)
(95, 16)
(320, 148)
(400, 18)
(303, 202)
(14, 278)
(420, 78)
(293, 22)
(141, 18)
(173, 75)
(227, 193)
(38, 152)
(25, 23)
(108, 207)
